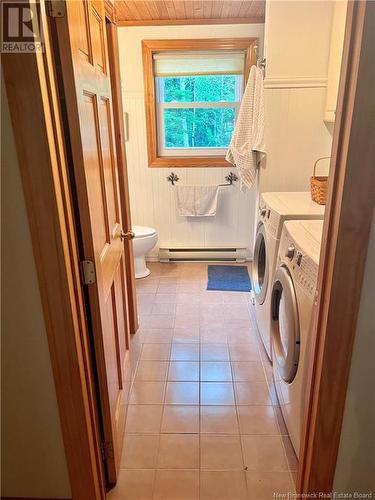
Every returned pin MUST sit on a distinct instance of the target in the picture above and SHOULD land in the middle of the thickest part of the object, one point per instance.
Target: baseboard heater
(202, 254)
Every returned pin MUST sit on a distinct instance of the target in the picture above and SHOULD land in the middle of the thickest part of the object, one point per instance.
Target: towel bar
(230, 178)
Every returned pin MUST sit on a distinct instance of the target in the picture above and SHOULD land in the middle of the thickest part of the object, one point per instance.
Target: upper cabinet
(335, 56)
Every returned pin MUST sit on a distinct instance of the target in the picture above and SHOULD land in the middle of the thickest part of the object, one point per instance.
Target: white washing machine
(274, 209)
(292, 300)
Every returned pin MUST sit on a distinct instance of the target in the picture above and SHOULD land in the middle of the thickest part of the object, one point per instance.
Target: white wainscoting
(153, 202)
(295, 137)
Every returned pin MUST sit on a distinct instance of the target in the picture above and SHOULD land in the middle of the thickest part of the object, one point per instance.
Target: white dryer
(274, 209)
(292, 300)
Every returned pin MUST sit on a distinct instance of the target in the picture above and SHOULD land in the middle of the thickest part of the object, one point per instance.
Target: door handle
(129, 235)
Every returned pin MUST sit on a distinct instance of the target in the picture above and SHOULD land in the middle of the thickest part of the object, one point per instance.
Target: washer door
(285, 325)
(260, 265)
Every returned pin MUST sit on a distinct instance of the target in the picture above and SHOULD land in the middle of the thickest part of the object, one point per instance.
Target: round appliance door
(285, 325)
(260, 265)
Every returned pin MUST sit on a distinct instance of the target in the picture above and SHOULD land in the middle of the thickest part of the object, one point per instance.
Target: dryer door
(285, 325)
(260, 265)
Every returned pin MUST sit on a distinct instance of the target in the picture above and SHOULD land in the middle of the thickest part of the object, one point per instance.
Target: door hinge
(106, 450)
(88, 274)
(56, 8)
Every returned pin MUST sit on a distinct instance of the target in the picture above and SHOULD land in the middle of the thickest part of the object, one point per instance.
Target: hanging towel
(186, 200)
(197, 201)
(247, 143)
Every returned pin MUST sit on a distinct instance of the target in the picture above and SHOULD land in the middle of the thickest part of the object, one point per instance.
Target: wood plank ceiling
(157, 12)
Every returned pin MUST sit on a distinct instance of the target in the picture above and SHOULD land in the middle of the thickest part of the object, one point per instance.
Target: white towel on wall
(197, 201)
(247, 141)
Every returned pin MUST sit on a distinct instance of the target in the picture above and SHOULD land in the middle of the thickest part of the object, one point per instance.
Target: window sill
(191, 162)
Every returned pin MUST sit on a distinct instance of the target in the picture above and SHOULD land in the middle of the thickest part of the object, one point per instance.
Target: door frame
(49, 205)
(345, 240)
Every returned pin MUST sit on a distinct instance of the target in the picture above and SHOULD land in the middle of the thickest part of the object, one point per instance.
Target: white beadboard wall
(152, 198)
(296, 47)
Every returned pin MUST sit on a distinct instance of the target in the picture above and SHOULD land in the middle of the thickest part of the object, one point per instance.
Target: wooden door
(82, 45)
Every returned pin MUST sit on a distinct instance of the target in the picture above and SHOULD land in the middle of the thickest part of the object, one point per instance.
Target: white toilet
(144, 241)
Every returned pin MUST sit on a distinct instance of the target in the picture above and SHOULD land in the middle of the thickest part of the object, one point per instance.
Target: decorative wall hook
(230, 178)
(172, 178)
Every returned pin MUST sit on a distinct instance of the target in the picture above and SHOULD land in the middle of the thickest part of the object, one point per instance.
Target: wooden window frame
(149, 47)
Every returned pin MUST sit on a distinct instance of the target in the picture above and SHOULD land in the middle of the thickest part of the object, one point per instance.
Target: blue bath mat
(229, 278)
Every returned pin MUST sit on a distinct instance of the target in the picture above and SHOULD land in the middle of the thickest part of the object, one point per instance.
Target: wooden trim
(118, 114)
(344, 247)
(110, 10)
(44, 175)
(151, 46)
(32, 498)
(187, 22)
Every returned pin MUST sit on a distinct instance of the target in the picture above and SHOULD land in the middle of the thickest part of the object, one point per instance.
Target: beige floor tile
(240, 337)
(186, 335)
(145, 307)
(157, 321)
(214, 352)
(165, 298)
(144, 419)
(157, 336)
(223, 485)
(219, 420)
(257, 420)
(152, 371)
(163, 308)
(265, 453)
(140, 451)
(188, 308)
(156, 352)
(133, 485)
(244, 352)
(183, 371)
(208, 297)
(184, 320)
(147, 393)
(249, 334)
(247, 371)
(220, 452)
(234, 298)
(178, 451)
(238, 323)
(236, 311)
(187, 298)
(217, 393)
(167, 288)
(213, 335)
(182, 393)
(252, 393)
(264, 485)
(176, 485)
(180, 419)
(169, 280)
(216, 371)
(185, 352)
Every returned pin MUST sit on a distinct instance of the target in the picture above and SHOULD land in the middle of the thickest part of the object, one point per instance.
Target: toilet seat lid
(142, 231)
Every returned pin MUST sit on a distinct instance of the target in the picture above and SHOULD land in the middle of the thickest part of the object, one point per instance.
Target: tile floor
(203, 421)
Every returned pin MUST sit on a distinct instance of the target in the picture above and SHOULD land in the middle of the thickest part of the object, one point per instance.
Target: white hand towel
(197, 201)
(186, 200)
(206, 200)
(248, 136)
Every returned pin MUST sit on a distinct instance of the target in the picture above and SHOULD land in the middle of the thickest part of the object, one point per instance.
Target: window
(193, 93)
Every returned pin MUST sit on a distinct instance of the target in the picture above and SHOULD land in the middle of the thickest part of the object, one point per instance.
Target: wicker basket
(319, 185)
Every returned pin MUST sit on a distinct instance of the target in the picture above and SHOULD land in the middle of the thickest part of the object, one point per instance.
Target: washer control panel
(303, 269)
(269, 217)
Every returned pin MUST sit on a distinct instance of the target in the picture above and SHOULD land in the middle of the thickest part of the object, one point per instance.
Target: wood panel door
(82, 45)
